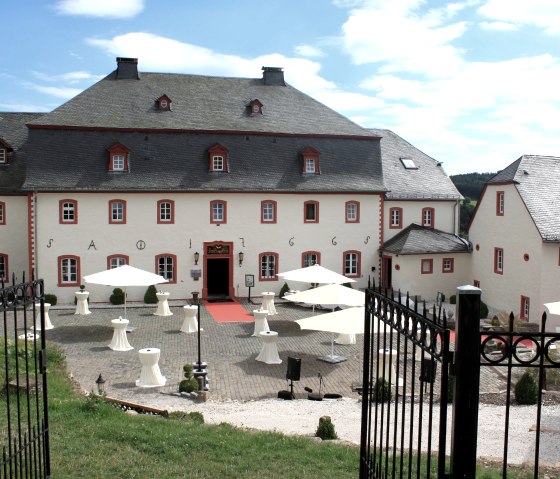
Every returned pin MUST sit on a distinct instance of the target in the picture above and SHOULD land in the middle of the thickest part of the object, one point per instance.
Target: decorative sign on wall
(92, 245)
(333, 241)
(367, 239)
(291, 241)
(140, 244)
(217, 249)
(242, 242)
(249, 280)
(49, 244)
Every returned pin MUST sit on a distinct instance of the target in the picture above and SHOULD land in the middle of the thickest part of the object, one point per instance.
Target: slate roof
(537, 179)
(428, 181)
(416, 239)
(14, 132)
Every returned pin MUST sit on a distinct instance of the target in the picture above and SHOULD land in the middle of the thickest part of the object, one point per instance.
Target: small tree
(189, 384)
(150, 296)
(526, 390)
(381, 391)
(326, 428)
(284, 290)
(117, 297)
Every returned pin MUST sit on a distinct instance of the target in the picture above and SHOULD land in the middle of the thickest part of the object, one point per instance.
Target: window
(525, 303)
(395, 218)
(116, 260)
(500, 196)
(447, 265)
(309, 258)
(268, 211)
(428, 217)
(166, 211)
(166, 267)
(218, 212)
(68, 271)
(4, 274)
(68, 212)
(498, 261)
(408, 163)
(352, 212)
(117, 212)
(164, 103)
(310, 161)
(2, 213)
(476, 283)
(427, 266)
(118, 158)
(269, 266)
(352, 267)
(311, 212)
(256, 107)
(218, 156)
(3, 155)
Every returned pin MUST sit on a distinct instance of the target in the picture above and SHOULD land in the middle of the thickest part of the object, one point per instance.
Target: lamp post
(200, 369)
(100, 382)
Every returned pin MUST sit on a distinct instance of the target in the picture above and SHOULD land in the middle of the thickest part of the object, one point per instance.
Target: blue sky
(474, 84)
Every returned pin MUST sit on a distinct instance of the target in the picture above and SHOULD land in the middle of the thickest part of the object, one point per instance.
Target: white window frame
(310, 165)
(165, 209)
(69, 212)
(218, 212)
(68, 271)
(166, 267)
(268, 264)
(351, 212)
(116, 262)
(351, 264)
(118, 162)
(3, 155)
(268, 212)
(218, 163)
(310, 259)
(428, 218)
(117, 211)
(3, 268)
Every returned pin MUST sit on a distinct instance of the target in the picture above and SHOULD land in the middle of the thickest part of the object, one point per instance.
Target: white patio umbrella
(553, 308)
(125, 276)
(315, 274)
(330, 294)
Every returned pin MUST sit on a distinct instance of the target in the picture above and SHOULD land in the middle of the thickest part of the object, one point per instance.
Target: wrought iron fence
(24, 434)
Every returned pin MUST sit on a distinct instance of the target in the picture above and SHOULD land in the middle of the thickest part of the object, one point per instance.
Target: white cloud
(540, 13)
(70, 77)
(101, 8)
(23, 107)
(59, 92)
(309, 51)
(500, 26)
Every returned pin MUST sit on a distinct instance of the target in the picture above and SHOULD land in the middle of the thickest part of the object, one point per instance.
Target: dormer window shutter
(4, 149)
(118, 158)
(163, 103)
(255, 107)
(310, 161)
(218, 157)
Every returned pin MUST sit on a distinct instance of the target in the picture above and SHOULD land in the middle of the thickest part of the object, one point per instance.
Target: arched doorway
(218, 270)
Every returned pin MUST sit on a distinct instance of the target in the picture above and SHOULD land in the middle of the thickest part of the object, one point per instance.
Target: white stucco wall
(13, 236)
(331, 236)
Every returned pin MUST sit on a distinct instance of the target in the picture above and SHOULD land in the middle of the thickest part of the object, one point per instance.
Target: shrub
(117, 297)
(93, 402)
(453, 299)
(526, 389)
(284, 290)
(150, 296)
(381, 391)
(348, 285)
(325, 429)
(188, 370)
(82, 287)
(188, 385)
(187, 417)
(51, 299)
(483, 310)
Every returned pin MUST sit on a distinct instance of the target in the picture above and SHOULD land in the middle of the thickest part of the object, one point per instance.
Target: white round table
(269, 350)
(261, 324)
(120, 341)
(163, 306)
(30, 336)
(150, 375)
(190, 324)
(345, 339)
(268, 303)
(37, 324)
(388, 364)
(81, 302)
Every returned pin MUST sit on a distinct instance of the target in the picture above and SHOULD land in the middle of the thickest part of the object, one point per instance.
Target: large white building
(207, 180)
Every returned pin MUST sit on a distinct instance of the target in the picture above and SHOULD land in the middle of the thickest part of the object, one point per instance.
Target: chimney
(273, 76)
(127, 69)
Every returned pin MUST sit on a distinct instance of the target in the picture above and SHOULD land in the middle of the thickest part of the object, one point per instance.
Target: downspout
(35, 259)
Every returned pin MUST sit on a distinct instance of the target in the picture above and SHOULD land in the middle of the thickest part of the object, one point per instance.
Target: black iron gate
(24, 431)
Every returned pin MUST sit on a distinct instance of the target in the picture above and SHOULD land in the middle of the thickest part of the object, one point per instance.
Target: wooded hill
(470, 184)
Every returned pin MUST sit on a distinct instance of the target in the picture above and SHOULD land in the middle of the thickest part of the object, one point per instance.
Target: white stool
(163, 306)
(190, 324)
(81, 302)
(120, 341)
(30, 336)
(261, 324)
(269, 351)
(345, 339)
(150, 375)
(419, 349)
(268, 303)
(37, 325)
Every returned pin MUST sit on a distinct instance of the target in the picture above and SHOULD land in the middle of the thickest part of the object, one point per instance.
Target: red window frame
(61, 219)
(525, 307)
(173, 280)
(267, 278)
(358, 272)
(451, 265)
(346, 206)
(305, 253)
(498, 257)
(430, 263)
(305, 204)
(224, 204)
(111, 220)
(274, 210)
(60, 259)
(118, 150)
(218, 150)
(4, 257)
(313, 155)
(399, 212)
(113, 256)
(500, 203)
(170, 221)
(432, 214)
(2, 213)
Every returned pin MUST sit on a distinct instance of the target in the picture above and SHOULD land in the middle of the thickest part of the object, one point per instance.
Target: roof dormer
(163, 103)
(218, 158)
(118, 158)
(310, 161)
(255, 107)
(4, 150)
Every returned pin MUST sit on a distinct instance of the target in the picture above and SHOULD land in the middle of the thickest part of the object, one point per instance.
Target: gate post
(467, 382)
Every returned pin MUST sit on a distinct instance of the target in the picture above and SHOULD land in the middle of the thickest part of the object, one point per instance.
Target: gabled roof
(537, 179)
(427, 181)
(13, 132)
(416, 239)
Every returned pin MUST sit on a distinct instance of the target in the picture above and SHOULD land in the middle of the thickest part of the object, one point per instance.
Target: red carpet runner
(228, 312)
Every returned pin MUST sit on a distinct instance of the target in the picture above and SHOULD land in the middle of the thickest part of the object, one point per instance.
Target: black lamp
(100, 385)
(241, 258)
(196, 258)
